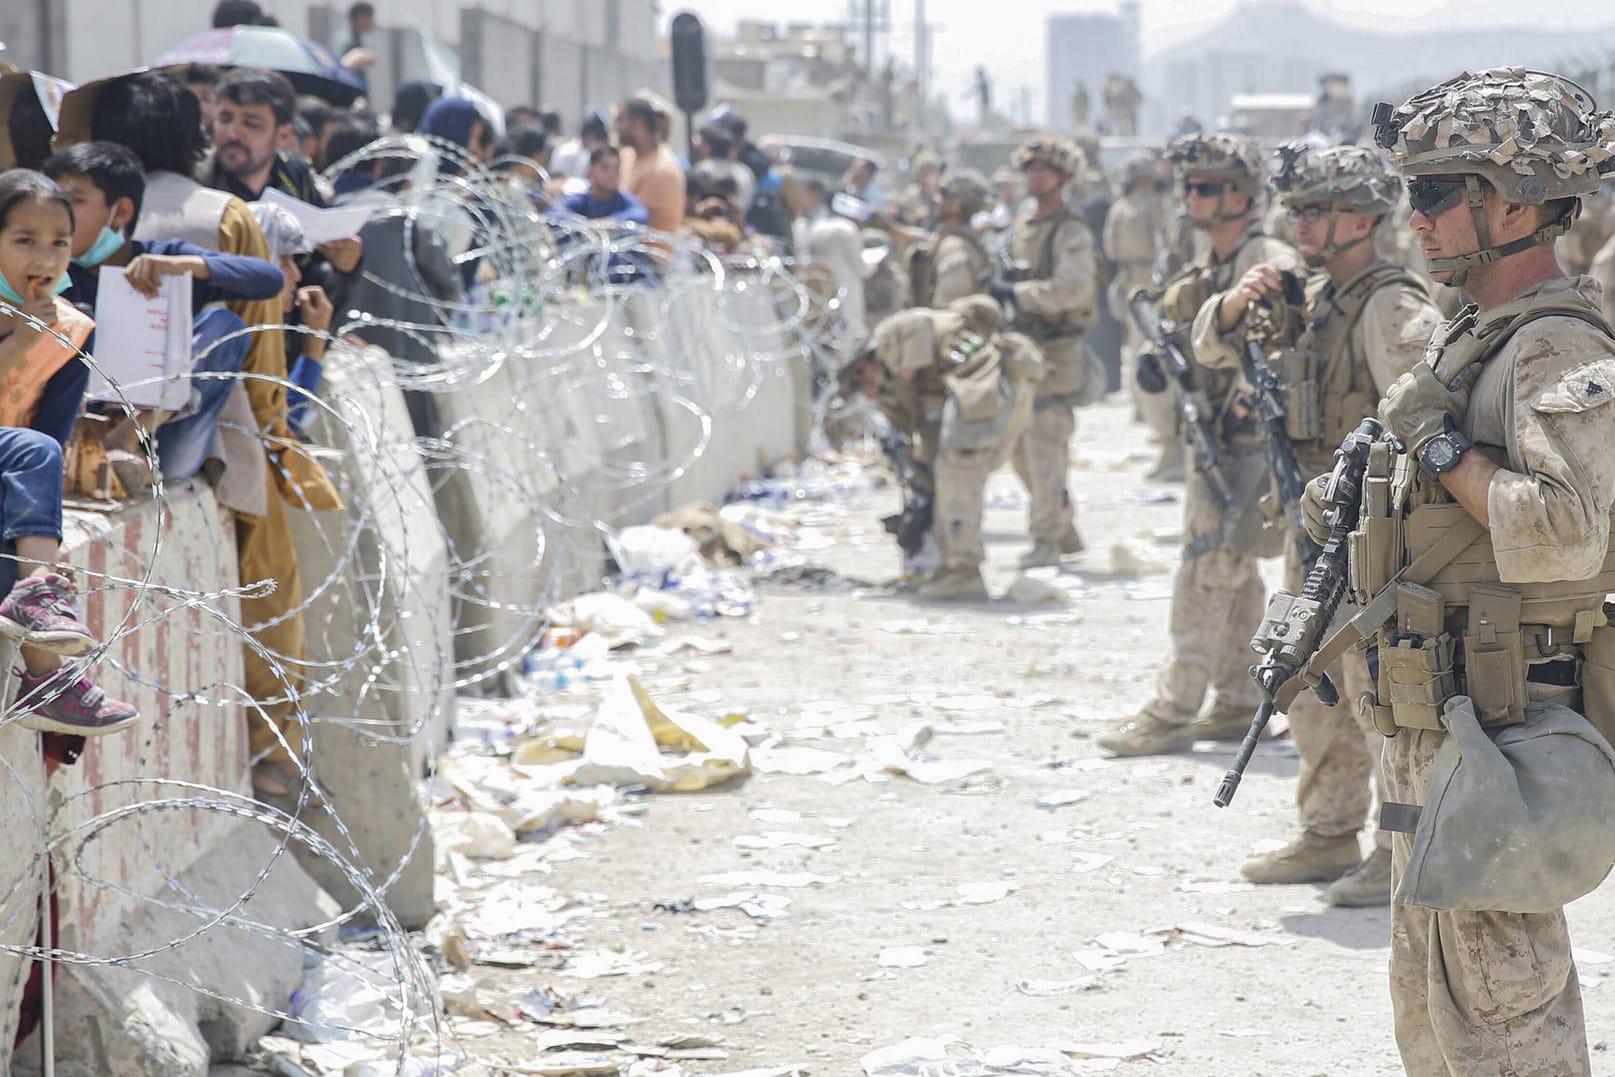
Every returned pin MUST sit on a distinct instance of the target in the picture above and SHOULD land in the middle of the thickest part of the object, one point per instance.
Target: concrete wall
(584, 426)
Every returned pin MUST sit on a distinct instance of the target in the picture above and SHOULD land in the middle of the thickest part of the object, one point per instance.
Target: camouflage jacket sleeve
(1550, 509)
(958, 270)
(1215, 349)
(1391, 335)
(1071, 289)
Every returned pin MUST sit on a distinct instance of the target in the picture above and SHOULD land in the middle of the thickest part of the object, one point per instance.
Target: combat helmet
(1140, 166)
(1059, 152)
(1350, 179)
(1234, 159)
(1535, 137)
(967, 187)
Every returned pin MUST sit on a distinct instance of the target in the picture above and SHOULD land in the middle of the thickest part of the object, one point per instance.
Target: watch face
(1439, 453)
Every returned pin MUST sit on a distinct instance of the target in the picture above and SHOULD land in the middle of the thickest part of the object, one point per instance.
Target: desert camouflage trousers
(1476, 994)
(961, 485)
(1339, 746)
(1217, 603)
(1042, 459)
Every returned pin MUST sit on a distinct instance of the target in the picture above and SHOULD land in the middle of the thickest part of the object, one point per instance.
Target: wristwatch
(1442, 452)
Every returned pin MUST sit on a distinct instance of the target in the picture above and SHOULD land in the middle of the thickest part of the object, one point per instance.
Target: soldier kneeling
(986, 380)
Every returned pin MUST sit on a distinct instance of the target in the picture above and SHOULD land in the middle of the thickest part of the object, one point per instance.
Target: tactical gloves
(1417, 405)
(1313, 507)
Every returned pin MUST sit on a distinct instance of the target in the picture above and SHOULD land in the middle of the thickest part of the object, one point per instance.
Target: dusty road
(1114, 914)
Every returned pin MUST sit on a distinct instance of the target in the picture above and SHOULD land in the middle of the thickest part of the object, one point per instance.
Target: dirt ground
(1049, 942)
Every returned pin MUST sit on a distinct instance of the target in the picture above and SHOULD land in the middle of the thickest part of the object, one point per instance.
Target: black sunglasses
(1204, 188)
(1434, 196)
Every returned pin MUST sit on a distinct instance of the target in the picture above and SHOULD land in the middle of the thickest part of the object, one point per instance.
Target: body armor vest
(1031, 244)
(1458, 628)
(1182, 300)
(1326, 390)
(922, 263)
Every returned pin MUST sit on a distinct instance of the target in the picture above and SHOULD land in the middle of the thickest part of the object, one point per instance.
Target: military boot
(1223, 722)
(1368, 884)
(1147, 735)
(962, 583)
(1311, 858)
(1043, 554)
(1070, 541)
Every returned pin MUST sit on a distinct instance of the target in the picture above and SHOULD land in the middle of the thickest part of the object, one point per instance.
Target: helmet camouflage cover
(1353, 178)
(1059, 152)
(1534, 136)
(1140, 166)
(1223, 155)
(967, 187)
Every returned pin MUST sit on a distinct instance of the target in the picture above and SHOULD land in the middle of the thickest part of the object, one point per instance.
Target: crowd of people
(1283, 317)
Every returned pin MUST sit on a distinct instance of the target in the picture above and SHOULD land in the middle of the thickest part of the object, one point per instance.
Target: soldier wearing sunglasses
(1489, 525)
(1364, 324)
(1217, 594)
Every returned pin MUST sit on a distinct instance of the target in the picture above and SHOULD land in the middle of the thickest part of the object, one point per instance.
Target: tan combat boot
(1366, 885)
(1071, 540)
(1311, 858)
(957, 584)
(1223, 722)
(1147, 735)
(1043, 554)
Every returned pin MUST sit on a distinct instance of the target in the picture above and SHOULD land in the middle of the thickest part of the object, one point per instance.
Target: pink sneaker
(43, 605)
(67, 701)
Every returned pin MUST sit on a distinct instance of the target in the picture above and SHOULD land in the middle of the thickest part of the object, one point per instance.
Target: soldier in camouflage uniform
(1217, 593)
(1135, 229)
(984, 378)
(950, 263)
(1365, 324)
(1055, 302)
(1507, 425)
(917, 204)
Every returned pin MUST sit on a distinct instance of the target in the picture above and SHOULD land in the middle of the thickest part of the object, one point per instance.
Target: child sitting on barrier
(106, 183)
(36, 233)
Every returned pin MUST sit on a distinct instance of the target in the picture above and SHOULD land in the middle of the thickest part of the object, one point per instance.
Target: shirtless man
(650, 171)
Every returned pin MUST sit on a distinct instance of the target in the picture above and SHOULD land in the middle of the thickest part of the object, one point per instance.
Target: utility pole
(922, 53)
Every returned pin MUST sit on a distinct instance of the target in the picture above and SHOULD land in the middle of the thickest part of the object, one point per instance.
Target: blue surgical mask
(9, 294)
(105, 246)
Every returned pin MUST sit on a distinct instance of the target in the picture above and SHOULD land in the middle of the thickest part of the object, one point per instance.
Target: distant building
(1087, 48)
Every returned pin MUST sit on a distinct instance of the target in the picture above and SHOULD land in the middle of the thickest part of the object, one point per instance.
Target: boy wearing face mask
(105, 184)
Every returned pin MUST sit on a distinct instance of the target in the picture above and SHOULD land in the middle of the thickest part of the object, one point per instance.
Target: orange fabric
(23, 385)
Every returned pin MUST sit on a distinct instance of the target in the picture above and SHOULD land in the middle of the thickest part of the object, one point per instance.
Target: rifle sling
(1382, 607)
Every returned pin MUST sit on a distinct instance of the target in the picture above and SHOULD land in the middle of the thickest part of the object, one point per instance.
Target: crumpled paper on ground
(616, 620)
(624, 746)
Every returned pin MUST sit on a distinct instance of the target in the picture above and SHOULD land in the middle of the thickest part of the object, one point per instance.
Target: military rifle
(911, 524)
(1293, 627)
(1169, 360)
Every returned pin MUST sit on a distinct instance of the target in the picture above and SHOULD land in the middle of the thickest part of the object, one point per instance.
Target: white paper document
(320, 225)
(142, 346)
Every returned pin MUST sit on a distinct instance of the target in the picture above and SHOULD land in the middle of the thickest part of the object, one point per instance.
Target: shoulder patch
(1586, 387)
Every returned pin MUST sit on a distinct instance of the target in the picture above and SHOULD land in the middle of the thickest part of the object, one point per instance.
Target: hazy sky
(1008, 36)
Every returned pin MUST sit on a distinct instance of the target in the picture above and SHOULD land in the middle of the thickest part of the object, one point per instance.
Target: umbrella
(310, 67)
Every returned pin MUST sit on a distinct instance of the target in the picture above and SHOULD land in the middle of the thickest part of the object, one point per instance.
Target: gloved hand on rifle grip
(1313, 507)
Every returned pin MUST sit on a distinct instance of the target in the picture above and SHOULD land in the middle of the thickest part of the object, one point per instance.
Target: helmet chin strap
(1330, 247)
(1460, 265)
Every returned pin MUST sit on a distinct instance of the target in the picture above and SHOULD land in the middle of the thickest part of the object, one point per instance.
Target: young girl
(36, 239)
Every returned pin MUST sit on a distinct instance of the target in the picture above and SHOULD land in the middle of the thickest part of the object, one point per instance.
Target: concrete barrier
(451, 555)
(133, 879)
(381, 648)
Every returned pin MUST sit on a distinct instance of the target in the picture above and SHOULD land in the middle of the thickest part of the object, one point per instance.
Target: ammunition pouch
(1184, 297)
(1416, 678)
(1298, 373)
